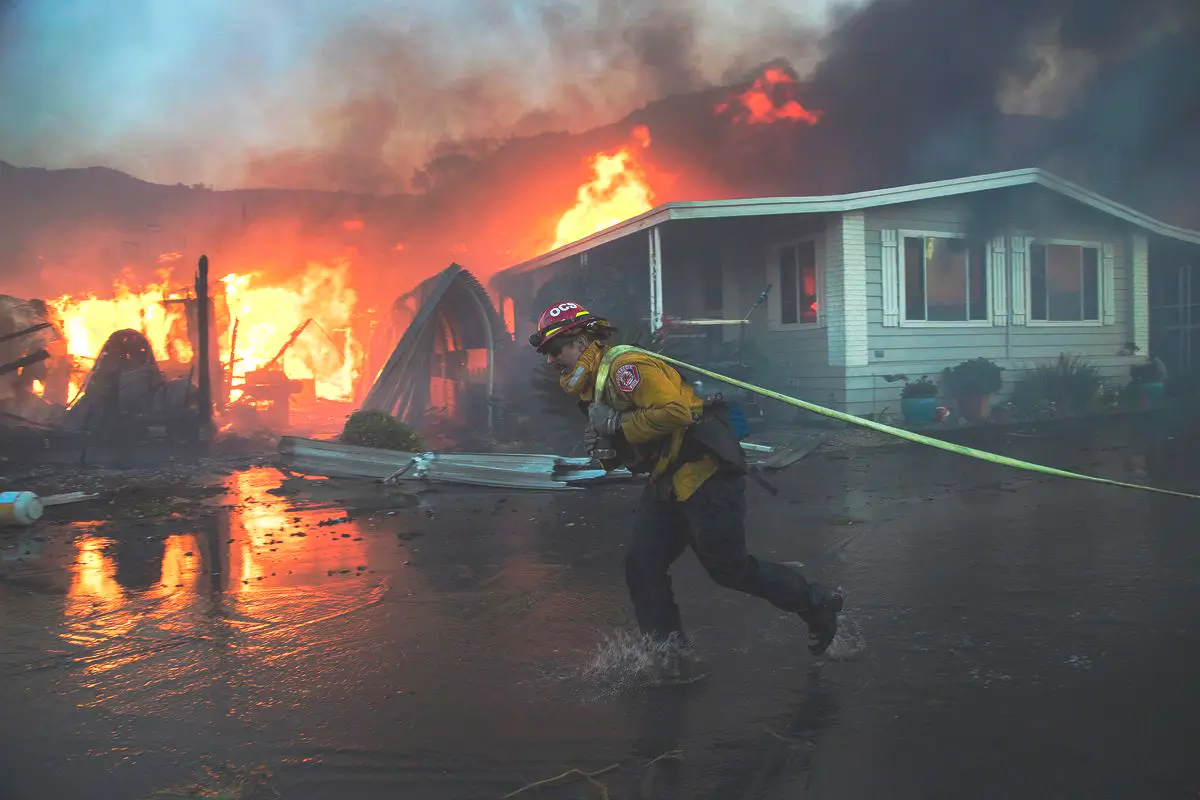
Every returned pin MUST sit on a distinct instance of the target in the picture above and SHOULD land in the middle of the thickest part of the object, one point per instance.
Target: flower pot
(741, 426)
(1150, 392)
(919, 410)
(973, 407)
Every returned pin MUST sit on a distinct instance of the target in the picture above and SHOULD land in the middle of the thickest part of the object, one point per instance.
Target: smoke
(354, 95)
(491, 110)
(919, 90)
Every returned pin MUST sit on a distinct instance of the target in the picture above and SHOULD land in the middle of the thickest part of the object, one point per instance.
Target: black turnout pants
(712, 522)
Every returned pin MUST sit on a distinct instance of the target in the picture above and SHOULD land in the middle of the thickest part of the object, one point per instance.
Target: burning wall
(255, 314)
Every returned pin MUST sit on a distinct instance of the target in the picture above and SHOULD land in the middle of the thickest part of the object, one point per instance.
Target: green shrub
(977, 376)
(922, 387)
(1071, 384)
(382, 430)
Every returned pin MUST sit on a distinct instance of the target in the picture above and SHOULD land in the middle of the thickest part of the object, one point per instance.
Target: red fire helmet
(561, 318)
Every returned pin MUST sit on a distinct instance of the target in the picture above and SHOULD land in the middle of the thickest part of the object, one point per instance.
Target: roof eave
(857, 201)
(1115, 209)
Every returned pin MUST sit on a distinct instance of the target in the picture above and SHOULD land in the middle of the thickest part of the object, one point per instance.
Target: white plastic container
(20, 508)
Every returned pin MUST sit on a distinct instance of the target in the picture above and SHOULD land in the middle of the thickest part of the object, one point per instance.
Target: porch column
(1139, 277)
(656, 299)
(845, 311)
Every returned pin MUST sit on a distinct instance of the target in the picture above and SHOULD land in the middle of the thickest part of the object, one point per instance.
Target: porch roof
(838, 203)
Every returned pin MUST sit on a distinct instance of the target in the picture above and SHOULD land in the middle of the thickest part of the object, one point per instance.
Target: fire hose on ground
(951, 447)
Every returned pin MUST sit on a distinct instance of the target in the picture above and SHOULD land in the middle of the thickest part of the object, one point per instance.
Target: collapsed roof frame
(453, 295)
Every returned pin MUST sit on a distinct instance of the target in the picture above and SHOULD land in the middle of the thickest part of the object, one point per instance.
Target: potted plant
(918, 401)
(972, 383)
(1147, 384)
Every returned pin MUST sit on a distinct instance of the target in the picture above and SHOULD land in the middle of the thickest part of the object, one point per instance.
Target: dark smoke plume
(1103, 91)
(401, 121)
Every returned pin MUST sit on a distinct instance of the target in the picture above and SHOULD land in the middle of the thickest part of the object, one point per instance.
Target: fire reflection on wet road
(469, 643)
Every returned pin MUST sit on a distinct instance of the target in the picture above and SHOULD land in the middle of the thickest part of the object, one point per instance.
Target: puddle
(255, 562)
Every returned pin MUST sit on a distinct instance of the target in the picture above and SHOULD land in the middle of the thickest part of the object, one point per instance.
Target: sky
(289, 92)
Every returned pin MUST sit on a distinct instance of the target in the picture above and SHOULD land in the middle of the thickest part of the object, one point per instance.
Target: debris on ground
(507, 470)
(226, 783)
(799, 447)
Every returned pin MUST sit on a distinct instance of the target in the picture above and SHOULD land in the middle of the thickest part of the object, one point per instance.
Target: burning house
(1017, 267)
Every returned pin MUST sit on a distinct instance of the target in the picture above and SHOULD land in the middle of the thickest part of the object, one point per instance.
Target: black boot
(821, 616)
(681, 664)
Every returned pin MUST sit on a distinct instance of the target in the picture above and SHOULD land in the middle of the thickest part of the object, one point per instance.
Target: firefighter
(695, 495)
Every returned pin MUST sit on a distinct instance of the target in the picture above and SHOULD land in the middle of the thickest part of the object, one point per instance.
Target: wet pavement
(1006, 635)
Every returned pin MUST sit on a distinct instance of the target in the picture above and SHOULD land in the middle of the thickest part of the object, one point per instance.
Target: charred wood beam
(25, 361)
(288, 344)
(204, 378)
(41, 326)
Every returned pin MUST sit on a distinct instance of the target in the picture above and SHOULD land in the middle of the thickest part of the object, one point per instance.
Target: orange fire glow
(88, 321)
(618, 190)
(266, 313)
(769, 99)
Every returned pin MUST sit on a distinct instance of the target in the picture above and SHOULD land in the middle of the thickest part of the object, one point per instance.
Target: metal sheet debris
(794, 451)
(68, 498)
(452, 315)
(508, 470)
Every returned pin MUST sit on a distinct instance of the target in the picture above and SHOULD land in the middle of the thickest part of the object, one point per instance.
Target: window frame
(1102, 277)
(775, 318)
(902, 266)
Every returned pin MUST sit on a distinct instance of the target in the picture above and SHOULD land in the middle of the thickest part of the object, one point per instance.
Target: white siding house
(1017, 267)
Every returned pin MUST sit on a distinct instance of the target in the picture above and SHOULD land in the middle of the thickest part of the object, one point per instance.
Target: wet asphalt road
(1006, 636)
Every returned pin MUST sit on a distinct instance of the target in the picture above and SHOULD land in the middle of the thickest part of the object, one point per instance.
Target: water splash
(623, 661)
(849, 641)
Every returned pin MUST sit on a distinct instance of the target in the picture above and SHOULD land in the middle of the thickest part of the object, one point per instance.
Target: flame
(617, 191)
(267, 312)
(769, 99)
(88, 321)
(39, 388)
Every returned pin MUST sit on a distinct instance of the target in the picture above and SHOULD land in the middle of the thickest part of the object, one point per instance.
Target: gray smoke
(1104, 91)
(401, 118)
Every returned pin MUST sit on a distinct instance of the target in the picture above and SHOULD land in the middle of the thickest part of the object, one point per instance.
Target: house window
(945, 280)
(1064, 283)
(798, 283)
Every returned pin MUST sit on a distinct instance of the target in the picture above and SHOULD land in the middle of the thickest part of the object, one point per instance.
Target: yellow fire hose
(900, 433)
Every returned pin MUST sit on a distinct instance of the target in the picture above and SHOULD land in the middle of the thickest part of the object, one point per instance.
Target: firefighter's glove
(589, 439)
(604, 420)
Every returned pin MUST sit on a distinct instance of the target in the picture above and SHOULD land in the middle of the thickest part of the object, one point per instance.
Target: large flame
(618, 190)
(266, 313)
(88, 321)
(769, 99)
